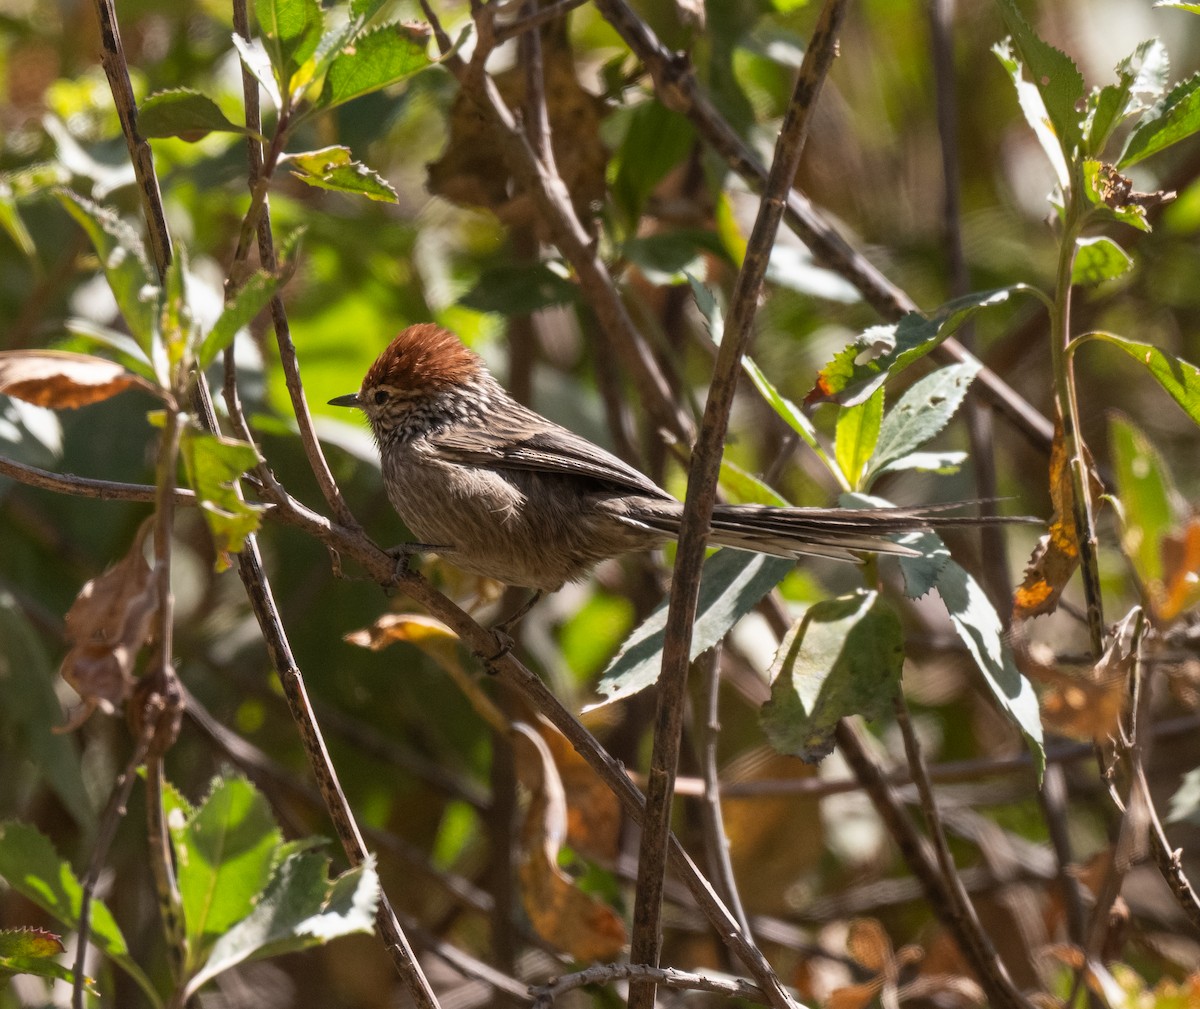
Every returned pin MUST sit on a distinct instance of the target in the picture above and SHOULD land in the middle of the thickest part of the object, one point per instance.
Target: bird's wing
(503, 443)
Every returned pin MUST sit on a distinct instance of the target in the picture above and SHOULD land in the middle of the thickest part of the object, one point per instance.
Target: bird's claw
(403, 553)
(504, 645)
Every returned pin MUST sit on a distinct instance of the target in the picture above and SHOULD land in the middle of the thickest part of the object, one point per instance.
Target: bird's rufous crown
(424, 356)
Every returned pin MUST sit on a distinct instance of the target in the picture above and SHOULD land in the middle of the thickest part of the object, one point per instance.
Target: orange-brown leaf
(62, 380)
(854, 996)
(1056, 556)
(869, 945)
(593, 812)
(1181, 573)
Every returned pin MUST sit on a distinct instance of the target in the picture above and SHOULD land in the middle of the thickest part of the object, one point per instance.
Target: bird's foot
(501, 632)
(403, 554)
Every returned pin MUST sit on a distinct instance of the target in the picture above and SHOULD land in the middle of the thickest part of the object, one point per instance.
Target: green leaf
(922, 572)
(1193, 8)
(257, 60)
(185, 113)
(1141, 78)
(1175, 118)
(373, 61)
(30, 711)
(298, 910)
(672, 257)
(1147, 498)
(857, 433)
(793, 416)
(1096, 181)
(224, 854)
(922, 412)
(843, 657)
(292, 29)
(942, 463)
(133, 281)
(10, 221)
(856, 372)
(979, 628)
(656, 141)
(213, 464)
(1097, 260)
(335, 168)
(1178, 377)
(247, 303)
(732, 583)
(30, 865)
(745, 488)
(512, 289)
(1054, 74)
(33, 951)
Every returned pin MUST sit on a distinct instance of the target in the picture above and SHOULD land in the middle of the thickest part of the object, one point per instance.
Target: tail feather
(837, 533)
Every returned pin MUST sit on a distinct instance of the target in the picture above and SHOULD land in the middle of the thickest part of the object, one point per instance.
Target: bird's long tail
(839, 533)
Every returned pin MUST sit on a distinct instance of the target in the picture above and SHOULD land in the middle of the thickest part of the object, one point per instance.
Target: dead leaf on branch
(558, 909)
(63, 381)
(593, 811)
(107, 625)
(1056, 556)
(471, 171)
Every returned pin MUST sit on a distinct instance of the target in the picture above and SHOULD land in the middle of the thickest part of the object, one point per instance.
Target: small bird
(498, 490)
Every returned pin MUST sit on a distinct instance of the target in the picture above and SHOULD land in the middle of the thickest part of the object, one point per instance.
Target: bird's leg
(501, 630)
(403, 554)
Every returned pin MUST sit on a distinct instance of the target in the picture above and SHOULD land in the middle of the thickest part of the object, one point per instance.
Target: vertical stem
(1068, 408)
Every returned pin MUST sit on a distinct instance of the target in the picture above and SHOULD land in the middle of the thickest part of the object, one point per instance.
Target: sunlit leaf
(1185, 803)
(1054, 74)
(1180, 378)
(1141, 78)
(257, 60)
(213, 465)
(843, 657)
(921, 413)
(375, 60)
(857, 434)
(335, 168)
(251, 299)
(861, 368)
(132, 279)
(1175, 118)
(291, 30)
(732, 583)
(300, 908)
(1147, 497)
(1098, 259)
(184, 113)
(61, 380)
(34, 951)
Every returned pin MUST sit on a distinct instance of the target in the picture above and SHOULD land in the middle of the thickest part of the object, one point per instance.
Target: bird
(498, 490)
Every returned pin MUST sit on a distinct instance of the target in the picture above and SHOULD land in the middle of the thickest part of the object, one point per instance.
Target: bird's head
(424, 378)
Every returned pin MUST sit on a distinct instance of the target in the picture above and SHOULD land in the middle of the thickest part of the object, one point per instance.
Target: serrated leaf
(374, 60)
(30, 865)
(33, 951)
(1141, 77)
(843, 657)
(857, 433)
(942, 463)
(731, 584)
(1098, 259)
(1178, 377)
(61, 380)
(861, 368)
(247, 303)
(299, 909)
(979, 628)
(922, 412)
(1054, 74)
(134, 283)
(291, 30)
(213, 465)
(224, 853)
(921, 573)
(184, 113)
(335, 168)
(1174, 118)
(512, 289)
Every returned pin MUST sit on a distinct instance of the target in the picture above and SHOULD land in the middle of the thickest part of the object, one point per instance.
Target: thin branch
(701, 497)
(716, 841)
(992, 973)
(676, 87)
(668, 977)
(82, 486)
(529, 21)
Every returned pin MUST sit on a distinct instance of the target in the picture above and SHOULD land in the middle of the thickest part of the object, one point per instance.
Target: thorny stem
(1068, 409)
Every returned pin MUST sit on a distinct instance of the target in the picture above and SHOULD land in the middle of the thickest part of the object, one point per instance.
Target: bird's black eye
(380, 398)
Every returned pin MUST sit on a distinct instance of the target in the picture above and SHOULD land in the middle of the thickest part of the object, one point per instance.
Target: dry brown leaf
(559, 911)
(1181, 571)
(593, 812)
(61, 380)
(854, 996)
(869, 944)
(471, 171)
(415, 628)
(1056, 556)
